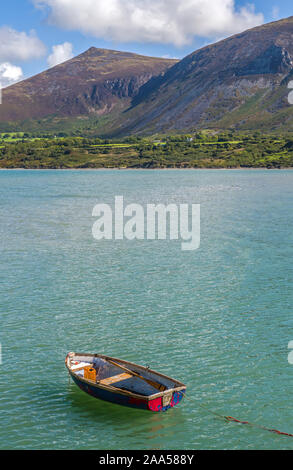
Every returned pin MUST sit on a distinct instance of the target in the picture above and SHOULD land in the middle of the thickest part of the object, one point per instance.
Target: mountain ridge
(218, 79)
(95, 81)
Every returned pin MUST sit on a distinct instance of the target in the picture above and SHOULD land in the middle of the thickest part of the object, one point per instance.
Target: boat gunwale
(118, 390)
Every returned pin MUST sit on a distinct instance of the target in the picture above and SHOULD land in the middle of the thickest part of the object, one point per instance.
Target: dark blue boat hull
(119, 398)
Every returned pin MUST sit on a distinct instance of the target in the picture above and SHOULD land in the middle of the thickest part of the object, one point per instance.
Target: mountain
(95, 82)
(240, 82)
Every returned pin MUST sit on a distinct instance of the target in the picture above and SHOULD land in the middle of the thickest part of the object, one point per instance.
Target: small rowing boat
(123, 382)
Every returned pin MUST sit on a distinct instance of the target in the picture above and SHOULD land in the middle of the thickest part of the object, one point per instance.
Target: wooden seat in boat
(115, 378)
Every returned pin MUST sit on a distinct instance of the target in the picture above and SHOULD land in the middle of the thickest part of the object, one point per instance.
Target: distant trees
(201, 149)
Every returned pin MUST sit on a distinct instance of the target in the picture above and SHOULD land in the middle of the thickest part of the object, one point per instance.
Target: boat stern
(166, 401)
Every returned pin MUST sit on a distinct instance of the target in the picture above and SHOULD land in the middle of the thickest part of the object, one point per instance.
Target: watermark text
(153, 222)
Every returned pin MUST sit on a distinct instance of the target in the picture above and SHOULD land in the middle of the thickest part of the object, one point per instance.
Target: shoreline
(145, 169)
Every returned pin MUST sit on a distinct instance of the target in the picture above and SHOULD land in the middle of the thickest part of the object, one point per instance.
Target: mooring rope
(230, 418)
(235, 420)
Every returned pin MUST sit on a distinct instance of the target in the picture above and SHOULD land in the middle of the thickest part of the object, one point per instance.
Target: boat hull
(155, 405)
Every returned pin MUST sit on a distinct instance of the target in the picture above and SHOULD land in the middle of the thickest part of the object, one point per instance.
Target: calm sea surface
(218, 318)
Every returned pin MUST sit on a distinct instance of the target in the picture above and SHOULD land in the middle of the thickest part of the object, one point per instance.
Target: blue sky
(30, 29)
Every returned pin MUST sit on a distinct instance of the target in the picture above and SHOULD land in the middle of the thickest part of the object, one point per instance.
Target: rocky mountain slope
(240, 82)
(95, 82)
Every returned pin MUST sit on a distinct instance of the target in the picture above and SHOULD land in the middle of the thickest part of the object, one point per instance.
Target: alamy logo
(135, 222)
(290, 96)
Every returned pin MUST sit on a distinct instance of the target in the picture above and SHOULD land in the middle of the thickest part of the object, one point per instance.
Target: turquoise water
(218, 318)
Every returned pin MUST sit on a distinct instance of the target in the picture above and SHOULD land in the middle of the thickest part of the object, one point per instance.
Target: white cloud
(161, 21)
(60, 53)
(9, 74)
(168, 56)
(276, 13)
(19, 45)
